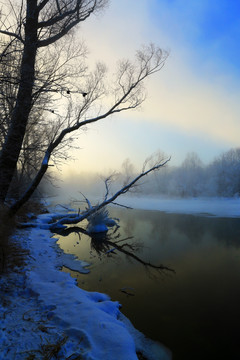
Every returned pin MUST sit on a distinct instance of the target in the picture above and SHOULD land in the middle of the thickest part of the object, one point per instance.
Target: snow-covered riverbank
(44, 312)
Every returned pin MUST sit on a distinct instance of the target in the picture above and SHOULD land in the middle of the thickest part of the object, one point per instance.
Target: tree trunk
(13, 143)
(28, 193)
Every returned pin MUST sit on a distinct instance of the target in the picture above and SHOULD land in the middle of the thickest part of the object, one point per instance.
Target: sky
(193, 103)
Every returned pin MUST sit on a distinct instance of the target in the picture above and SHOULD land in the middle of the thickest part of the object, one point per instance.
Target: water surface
(195, 311)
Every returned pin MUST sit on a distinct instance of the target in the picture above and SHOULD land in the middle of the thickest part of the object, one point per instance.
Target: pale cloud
(191, 97)
(194, 104)
(201, 97)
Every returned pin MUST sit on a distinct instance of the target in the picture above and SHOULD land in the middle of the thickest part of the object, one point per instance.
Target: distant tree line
(192, 178)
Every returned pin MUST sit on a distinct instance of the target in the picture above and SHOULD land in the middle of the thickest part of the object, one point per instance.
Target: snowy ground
(44, 315)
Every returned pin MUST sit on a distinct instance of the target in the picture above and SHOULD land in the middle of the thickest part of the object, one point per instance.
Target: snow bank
(91, 324)
(220, 207)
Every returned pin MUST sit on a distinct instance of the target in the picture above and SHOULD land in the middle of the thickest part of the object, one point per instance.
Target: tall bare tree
(41, 24)
(37, 24)
(54, 70)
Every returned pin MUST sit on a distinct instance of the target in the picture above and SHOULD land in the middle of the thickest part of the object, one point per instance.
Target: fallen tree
(60, 221)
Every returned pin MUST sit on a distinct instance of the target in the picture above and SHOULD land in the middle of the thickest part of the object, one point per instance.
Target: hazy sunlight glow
(193, 103)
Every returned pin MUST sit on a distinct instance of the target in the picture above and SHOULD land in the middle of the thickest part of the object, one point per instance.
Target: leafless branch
(149, 60)
(76, 218)
(60, 17)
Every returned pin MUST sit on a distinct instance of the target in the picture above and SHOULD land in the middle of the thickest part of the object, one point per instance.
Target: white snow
(219, 207)
(42, 306)
(100, 221)
(98, 228)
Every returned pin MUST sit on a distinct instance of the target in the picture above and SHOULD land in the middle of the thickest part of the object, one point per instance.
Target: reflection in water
(194, 312)
(109, 243)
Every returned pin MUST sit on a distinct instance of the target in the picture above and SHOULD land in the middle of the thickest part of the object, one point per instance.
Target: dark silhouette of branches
(149, 62)
(43, 82)
(107, 244)
(34, 25)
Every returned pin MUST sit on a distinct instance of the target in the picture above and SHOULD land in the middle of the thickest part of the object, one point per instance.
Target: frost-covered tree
(226, 170)
(190, 177)
(186, 179)
(221, 177)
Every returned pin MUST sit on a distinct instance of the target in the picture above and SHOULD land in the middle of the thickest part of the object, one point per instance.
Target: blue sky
(211, 28)
(193, 103)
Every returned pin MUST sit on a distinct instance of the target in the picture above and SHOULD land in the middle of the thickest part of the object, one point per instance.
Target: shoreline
(44, 311)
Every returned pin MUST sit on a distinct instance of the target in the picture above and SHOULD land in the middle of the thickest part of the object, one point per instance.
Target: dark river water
(194, 311)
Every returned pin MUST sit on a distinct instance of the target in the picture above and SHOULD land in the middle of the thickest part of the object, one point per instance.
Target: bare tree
(41, 24)
(54, 71)
(35, 24)
(127, 94)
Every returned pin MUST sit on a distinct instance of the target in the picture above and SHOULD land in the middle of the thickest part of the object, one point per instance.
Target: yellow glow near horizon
(185, 105)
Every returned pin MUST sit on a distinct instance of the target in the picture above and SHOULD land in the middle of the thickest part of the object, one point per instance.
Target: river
(193, 310)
